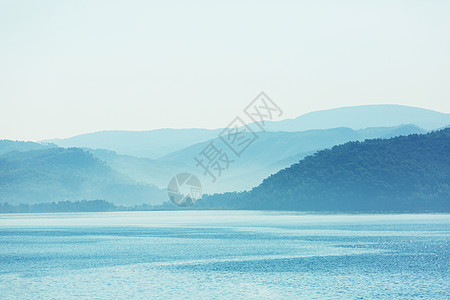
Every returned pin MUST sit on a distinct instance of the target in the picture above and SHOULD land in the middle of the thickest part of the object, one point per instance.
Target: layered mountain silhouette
(8, 146)
(58, 174)
(155, 144)
(143, 179)
(148, 144)
(271, 152)
(364, 116)
(130, 167)
(407, 173)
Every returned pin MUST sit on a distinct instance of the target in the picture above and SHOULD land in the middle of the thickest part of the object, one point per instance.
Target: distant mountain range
(147, 144)
(144, 170)
(155, 144)
(358, 117)
(271, 152)
(57, 174)
(8, 146)
(407, 173)
(129, 167)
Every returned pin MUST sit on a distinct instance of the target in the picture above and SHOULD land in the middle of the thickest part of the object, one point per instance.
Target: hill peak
(363, 116)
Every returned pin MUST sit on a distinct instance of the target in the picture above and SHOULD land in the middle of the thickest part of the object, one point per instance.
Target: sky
(72, 67)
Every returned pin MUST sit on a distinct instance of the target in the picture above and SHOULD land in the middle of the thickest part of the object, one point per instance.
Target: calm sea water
(224, 254)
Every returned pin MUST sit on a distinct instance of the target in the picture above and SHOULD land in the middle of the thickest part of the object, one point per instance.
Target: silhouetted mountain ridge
(364, 116)
(21, 146)
(407, 173)
(57, 174)
(157, 143)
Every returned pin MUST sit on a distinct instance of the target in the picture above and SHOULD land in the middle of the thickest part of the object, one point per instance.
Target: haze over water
(224, 254)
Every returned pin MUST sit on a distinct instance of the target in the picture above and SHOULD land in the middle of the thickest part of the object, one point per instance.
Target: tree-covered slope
(273, 151)
(407, 173)
(8, 146)
(59, 174)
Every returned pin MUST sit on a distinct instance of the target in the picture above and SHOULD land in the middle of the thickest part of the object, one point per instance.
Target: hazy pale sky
(71, 67)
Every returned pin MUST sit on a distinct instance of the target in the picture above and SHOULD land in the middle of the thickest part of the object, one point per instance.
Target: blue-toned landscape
(224, 254)
(238, 149)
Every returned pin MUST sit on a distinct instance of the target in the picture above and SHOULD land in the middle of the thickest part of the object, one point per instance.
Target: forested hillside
(408, 173)
(58, 174)
(8, 146)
